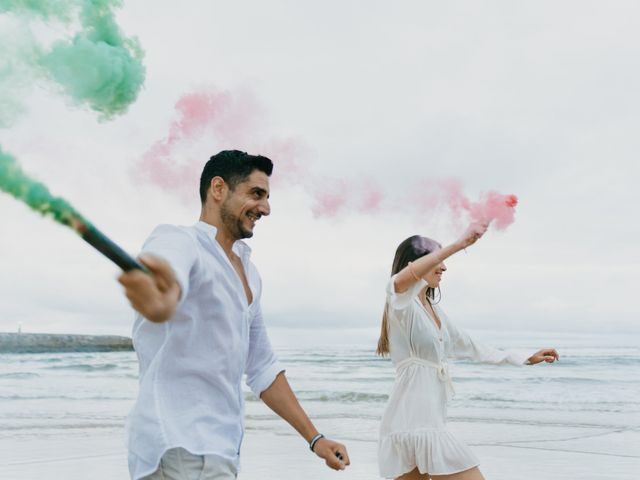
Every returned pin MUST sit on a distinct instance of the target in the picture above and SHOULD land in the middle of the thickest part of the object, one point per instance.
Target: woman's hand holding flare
(472, 234)
(548, 355)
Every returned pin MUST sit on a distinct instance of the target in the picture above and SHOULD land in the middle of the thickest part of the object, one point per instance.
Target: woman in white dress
(414, 441)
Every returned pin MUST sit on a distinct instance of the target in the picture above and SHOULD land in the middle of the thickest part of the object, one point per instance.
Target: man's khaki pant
(179, 464)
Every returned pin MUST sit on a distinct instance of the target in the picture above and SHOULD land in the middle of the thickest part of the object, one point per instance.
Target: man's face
(244, 205)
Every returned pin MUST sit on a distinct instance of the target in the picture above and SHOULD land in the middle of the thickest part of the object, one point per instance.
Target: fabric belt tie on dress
(441, 368)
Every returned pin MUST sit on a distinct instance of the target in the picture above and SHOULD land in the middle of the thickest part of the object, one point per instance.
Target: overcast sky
(539, 99)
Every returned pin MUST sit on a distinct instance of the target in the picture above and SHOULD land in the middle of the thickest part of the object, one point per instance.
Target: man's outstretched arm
(280, 398)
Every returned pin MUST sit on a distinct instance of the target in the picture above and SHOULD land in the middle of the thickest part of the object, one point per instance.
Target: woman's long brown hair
(409, 250)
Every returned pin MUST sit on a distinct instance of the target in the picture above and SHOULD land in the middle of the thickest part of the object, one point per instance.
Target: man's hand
(280, 398)
(154, 295)
(329, 451)
(548, 355)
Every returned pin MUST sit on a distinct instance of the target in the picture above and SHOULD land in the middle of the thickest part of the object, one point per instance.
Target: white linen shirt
(191, 366)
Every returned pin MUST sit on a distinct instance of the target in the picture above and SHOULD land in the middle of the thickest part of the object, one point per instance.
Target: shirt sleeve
(465, 347)
(400, 301)
(177, 248)
(262, 365)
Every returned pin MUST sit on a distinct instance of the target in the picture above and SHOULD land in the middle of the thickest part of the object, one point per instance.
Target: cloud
(537, 100)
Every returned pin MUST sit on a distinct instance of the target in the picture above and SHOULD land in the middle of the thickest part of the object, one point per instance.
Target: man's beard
(233, 223)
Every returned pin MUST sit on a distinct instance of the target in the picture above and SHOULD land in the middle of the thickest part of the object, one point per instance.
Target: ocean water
(588, 403)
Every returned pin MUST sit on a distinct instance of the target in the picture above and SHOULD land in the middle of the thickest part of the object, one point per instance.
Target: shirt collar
(239, 247)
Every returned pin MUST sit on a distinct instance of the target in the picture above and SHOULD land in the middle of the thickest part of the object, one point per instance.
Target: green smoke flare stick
(37, 196)
(107, 247)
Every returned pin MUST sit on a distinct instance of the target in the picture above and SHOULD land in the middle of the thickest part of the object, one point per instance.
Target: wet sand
(101, 456)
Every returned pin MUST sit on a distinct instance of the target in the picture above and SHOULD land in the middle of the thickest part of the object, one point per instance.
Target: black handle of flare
(113, 252)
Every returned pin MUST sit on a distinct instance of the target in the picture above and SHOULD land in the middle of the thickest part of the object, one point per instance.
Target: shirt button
(440, 339)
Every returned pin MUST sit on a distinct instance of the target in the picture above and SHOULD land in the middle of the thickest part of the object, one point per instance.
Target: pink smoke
(371, 197)
(496, 208)
(332, 199)
(207, 121)
(219, 119)
(492, 207)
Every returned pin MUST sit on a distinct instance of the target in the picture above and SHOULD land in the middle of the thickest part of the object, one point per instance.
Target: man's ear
(218, 188)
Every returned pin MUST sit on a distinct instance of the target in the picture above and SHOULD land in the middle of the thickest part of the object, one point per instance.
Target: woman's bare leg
(414, 475)
(471, 474)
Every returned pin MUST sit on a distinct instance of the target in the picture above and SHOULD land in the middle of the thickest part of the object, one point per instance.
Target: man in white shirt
(199, 328)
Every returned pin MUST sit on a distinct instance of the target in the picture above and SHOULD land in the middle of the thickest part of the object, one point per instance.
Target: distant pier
(56, 343)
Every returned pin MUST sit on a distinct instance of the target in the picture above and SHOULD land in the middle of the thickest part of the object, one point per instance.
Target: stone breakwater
(47, 342)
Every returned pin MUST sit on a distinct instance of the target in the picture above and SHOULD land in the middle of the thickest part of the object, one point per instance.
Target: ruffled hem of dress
(436, 452)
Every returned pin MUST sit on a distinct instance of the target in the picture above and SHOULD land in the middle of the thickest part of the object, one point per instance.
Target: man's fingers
(153, 295)
(157, 266)
(343, 453)
(333, 462)
(335, 455)
(340, 453)
(162, 272)
(132, 278)
(136, 281)
(136, 302)
(137, 298)
(137, 287)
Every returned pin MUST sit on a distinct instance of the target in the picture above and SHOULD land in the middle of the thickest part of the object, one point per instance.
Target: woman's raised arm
(422, 266)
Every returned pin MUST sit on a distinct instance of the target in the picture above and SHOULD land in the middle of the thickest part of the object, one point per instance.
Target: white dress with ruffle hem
(413, 431)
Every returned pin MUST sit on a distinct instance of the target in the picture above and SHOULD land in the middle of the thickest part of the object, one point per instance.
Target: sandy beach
(285, 457)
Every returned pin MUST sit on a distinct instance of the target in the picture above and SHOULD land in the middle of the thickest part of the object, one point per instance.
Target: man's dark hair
(234, 167)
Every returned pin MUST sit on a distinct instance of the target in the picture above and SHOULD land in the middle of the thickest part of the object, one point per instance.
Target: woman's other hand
(548, 355)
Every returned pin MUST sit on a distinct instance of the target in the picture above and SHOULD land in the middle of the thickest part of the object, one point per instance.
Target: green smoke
(36, 195)
(97, 66)
(45, 9)
(18, 67)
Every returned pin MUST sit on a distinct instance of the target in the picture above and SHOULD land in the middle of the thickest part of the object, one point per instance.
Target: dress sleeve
(400, 301)
(465, 347)
(177, 248)
(262, 365)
